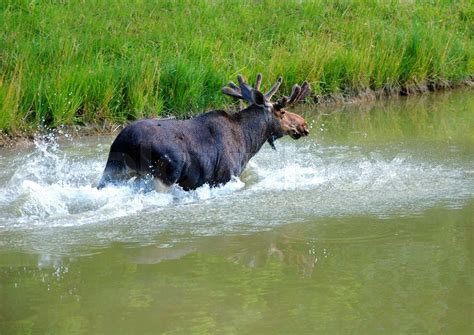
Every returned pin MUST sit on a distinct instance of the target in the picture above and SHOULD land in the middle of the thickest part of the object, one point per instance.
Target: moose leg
(114, 172)
(166, 171)
(160, 186)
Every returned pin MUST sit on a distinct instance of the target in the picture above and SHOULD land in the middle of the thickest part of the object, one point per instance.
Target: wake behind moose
(210, 148)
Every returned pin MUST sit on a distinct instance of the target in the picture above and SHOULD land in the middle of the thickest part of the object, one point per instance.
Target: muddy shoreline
(26, 137)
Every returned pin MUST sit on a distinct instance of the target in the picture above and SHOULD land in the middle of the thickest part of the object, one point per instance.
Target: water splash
(52, 188)
(48, 185)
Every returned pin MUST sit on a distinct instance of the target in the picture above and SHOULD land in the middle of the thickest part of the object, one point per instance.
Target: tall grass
(73, 62)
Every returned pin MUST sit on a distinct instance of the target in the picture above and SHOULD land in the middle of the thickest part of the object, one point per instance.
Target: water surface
(364, 227)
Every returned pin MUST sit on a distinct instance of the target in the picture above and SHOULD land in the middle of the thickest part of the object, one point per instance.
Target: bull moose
(209, 148)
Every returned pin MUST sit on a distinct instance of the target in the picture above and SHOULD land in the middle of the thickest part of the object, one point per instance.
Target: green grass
(79, 62)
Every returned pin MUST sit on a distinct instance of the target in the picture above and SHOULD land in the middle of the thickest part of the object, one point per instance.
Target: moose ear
(259, 98)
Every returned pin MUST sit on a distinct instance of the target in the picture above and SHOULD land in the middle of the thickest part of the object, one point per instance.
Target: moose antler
(298, 93)
(273, 90)
(232, 90)
(244, 92)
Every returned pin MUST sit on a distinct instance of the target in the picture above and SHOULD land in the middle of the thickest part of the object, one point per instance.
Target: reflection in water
(339, 275)
(258, 250)
(365, 227)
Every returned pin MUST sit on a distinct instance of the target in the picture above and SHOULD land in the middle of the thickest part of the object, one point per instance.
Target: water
(364, 227)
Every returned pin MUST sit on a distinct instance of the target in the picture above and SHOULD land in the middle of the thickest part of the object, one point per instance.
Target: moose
(210, 148)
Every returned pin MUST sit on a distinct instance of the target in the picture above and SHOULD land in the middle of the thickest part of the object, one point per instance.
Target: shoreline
(27, 137)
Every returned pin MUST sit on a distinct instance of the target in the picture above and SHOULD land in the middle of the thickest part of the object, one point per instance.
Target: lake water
(365, 227)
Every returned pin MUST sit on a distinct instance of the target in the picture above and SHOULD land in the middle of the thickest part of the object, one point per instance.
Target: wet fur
(209, 148)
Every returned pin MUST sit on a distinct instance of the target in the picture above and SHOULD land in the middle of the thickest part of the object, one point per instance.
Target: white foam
(53, 187)
(289, 177)
(49, 188)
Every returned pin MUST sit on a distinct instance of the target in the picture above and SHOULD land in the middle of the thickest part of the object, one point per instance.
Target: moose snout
(296, 135)
(304, 131)
(298, 132)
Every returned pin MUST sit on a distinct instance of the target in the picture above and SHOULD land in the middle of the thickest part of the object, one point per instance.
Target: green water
(365, 227)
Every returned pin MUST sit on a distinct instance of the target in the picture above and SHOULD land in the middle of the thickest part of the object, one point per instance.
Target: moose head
(290, 123)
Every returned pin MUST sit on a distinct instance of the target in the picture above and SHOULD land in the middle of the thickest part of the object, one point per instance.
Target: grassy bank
(75, 62)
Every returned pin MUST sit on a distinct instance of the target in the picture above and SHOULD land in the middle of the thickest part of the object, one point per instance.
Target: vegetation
(82, 62)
